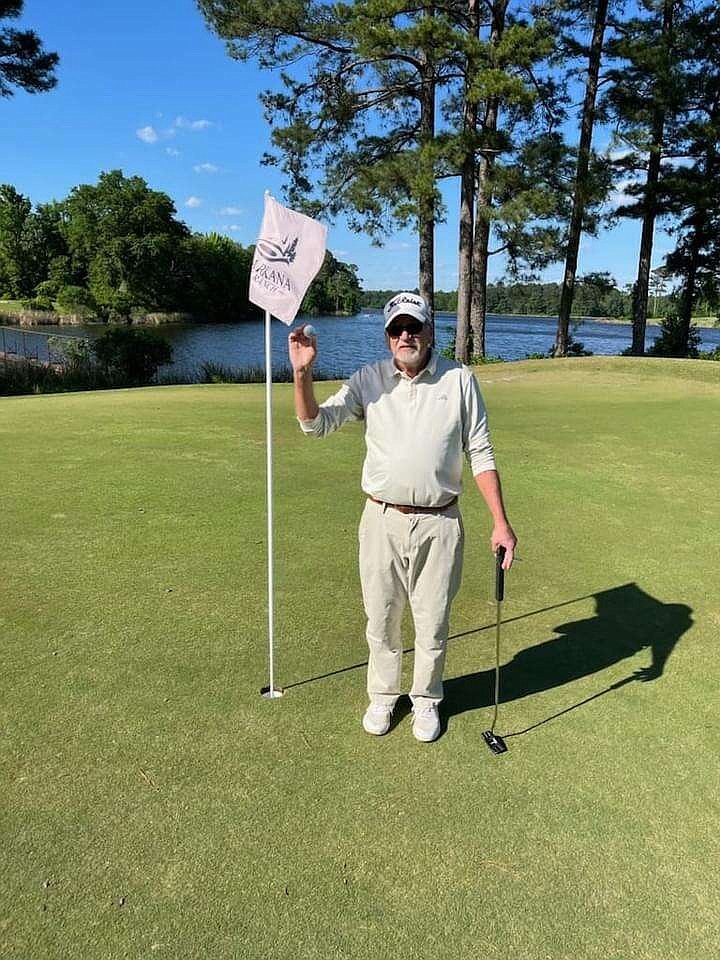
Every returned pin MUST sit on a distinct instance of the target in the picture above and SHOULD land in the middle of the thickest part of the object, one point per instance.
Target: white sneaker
(377, 719)
(426, 723)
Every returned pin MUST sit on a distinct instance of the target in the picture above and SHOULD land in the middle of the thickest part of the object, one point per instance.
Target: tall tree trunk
(580, 197)
(687, 300)
(481, 240)
(640, 295)
(480, 251)
(640, 300)
(427, 260)
(463, 337)
(702, 231)
(426, 217)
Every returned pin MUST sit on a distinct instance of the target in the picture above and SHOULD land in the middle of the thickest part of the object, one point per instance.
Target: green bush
(709, 354)
(577, 349)
(48, 288)
(119, 308)
(130, 356)
(475, 361)
(38, 303)
(671, 342)
(18, 378)
(77, 300)
(211, 372)
(75, 352)
(574, 349)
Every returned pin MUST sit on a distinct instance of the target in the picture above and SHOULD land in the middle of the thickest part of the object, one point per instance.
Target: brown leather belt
(409, 509)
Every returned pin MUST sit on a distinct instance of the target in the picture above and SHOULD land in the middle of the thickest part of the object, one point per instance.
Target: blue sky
(145, 87)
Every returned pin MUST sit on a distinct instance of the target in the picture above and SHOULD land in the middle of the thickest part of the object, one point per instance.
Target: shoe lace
(426, 713)
(379, 709)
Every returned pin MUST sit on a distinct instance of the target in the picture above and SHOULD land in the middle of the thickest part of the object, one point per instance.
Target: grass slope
(155, 805)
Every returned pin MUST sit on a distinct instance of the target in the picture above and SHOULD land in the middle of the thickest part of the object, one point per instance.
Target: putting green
(155, 805)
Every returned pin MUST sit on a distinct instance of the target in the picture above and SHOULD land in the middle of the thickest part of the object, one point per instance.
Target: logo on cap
(406, 304)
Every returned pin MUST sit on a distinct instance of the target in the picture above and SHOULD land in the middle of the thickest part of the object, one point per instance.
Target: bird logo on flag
(275, 251)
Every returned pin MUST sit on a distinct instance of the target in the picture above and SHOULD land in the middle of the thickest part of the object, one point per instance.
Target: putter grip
(499, 574)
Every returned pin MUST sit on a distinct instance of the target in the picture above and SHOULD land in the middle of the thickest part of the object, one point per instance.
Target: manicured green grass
(155, 805)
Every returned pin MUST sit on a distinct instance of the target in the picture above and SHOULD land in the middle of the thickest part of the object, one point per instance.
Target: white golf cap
(406, 304)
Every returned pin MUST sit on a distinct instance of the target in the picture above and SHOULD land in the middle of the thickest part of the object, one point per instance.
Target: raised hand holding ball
(302, 347)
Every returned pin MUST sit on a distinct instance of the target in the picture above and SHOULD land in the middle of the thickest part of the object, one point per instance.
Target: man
(421, 413)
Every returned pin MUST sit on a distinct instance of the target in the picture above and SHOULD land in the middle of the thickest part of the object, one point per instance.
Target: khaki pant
(415, 557)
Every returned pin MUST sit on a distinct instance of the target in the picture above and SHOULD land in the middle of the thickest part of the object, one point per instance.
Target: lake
(345, 343)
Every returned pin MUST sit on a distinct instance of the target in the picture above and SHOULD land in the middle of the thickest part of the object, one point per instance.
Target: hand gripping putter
(492, 739)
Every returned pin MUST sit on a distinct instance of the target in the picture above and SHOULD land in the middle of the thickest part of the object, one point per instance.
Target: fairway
(154, 805)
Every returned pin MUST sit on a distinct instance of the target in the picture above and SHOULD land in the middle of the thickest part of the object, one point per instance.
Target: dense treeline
(592, 299)
(335, 290)
(115, 250)
(379, 102)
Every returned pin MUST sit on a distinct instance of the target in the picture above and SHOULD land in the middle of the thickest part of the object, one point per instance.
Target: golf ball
(309, 330)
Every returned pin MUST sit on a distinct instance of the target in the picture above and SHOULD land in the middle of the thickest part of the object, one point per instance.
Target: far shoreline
(621, 321)
(47, 318)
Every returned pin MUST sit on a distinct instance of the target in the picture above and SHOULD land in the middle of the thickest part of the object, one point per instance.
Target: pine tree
(582, 190)
(361, 112)
(690, 188)
(646, 93)
(23, 61)
(374, 121)
(509, 113)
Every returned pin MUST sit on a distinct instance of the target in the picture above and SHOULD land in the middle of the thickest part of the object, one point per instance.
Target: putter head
(494, 741)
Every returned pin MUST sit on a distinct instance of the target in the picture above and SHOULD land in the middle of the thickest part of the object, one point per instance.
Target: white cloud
(150, 134)
(184, 124)
(193, 202)
(619, 194)
(205, 168)
(147, 134)
(673, 162)
(172, 152)
(618, 153)
(231, 211)
(234, 227)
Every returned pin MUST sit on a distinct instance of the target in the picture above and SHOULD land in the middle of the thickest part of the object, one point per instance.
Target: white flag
(289, 252)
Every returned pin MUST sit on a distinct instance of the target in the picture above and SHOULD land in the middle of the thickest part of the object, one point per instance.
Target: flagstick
(270, 692)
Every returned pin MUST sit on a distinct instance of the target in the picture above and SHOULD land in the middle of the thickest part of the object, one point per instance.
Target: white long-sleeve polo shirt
(416, 429)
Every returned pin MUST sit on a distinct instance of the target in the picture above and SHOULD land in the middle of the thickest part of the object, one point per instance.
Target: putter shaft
(497, 664)
(492, 739)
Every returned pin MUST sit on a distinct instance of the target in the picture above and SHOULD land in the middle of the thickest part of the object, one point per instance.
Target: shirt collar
(429, 367)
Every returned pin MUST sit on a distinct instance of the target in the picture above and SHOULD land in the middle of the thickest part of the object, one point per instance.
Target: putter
(494, 741)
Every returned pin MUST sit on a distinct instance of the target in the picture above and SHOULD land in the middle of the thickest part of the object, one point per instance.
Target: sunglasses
(413, 327)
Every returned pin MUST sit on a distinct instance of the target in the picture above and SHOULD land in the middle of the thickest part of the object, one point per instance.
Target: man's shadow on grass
(627, 620)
